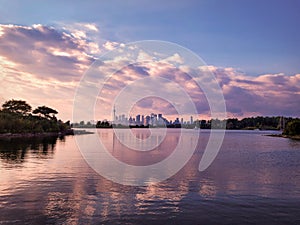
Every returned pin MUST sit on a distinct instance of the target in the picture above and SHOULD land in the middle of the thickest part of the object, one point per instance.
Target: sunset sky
(251, 47)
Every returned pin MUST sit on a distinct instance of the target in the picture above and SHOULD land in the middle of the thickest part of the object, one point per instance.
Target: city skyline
(154, 119)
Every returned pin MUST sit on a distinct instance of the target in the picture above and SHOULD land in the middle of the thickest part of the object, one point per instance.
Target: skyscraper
(138, 119)
(143, 120)
(148, 120)
(114, 116)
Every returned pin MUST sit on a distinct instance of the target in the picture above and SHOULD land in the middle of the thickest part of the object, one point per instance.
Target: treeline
(289, 125)
(259, 122)
(99, 124)
(17, 116)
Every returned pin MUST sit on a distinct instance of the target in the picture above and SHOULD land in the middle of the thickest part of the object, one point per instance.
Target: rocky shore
(294, 137)
(30, 135)
(45, 134)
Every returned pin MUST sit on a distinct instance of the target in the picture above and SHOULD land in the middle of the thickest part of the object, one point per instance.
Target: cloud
(44, 65)
(267, 94)
(110, 45)
(175, 58)
(44, 51)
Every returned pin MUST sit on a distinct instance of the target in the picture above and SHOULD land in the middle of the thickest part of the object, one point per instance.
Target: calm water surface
(255, 179)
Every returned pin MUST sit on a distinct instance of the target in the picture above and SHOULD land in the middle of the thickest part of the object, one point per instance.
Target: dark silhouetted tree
(45, 111)
(16, 106)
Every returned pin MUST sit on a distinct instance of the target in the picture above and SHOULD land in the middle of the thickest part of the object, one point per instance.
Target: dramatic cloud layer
(269, 94)
(43, 65)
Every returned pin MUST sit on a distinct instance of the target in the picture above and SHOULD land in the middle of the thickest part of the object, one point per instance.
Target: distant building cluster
(152, 120)
(158, 120)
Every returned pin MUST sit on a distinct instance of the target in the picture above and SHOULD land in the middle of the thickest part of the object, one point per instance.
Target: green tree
(45, 111)
(292, 128)
(16, 106)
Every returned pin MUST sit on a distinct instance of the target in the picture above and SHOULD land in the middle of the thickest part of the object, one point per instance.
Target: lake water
(255, 179)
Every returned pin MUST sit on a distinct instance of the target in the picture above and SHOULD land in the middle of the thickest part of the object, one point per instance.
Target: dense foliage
(99, 124)
(16, 117)
(259, 122)
(250, 123)
(292, 128)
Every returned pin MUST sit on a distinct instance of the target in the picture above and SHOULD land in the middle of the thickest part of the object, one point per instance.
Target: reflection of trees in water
(16, 150)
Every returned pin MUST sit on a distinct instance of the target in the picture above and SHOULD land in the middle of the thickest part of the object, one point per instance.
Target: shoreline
(29, 135)
(296, 137)
(32, 135)
(45, 134)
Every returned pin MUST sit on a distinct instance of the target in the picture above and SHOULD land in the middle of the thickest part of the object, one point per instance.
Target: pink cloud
(43, 65)
(44, 51)
(270, 94)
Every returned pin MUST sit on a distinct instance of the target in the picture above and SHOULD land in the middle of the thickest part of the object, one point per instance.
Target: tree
(292, 128)
(16, 106)
(45, 111)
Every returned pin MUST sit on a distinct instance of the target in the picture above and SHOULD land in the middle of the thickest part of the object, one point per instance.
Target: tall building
(138, 119)
(176, 121)
(153, 119)
(130, 120)
(114, 118)
(123, 119)
(192, 121)
(148, 120)
(143, 120)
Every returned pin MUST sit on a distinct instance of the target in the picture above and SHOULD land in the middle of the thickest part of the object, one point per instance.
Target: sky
(251, 47)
